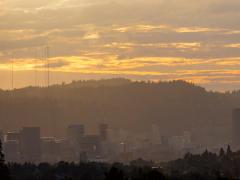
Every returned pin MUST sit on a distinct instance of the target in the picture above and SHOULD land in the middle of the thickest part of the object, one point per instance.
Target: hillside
(175, 106)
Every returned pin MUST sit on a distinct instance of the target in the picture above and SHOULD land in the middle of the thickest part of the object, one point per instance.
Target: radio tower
(48, 66)
(12, 81)
(43, 67)
(35, 68)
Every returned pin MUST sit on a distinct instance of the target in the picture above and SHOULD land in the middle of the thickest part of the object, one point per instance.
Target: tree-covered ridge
(175, 106)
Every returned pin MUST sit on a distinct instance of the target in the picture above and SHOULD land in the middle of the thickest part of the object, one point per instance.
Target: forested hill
(175, 106)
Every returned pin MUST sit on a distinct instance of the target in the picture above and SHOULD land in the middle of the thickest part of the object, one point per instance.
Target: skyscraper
(30, 144)
(91, 145)
(75, 133)
(236, 128)
(50, 149)
(12, 136)
(11, 150)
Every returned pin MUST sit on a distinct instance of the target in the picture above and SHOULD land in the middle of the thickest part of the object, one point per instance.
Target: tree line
(207, 166)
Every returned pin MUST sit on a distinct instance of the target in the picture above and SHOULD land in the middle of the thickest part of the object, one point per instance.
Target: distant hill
(175, 106)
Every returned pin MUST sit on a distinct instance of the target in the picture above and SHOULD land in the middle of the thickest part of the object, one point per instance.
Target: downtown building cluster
(107, 145)
(27, 145)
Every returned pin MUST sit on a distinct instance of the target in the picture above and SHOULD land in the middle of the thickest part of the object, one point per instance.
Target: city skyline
(119, 89)
(29, 145)
(153, 40)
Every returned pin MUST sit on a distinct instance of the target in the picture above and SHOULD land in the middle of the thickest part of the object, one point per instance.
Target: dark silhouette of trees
(116, 174)
(141, 163)
(221, 153)
(155, 175)
(225, 165)
(2, 160)
(4, 171)
(229, 151)
(205, 166)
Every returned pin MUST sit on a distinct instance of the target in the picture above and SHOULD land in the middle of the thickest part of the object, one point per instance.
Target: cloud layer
(198, 41)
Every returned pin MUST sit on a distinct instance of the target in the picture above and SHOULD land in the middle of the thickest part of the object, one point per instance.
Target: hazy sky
(194, 40)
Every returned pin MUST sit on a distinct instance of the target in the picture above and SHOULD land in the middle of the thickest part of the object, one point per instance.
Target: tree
(2, 160)
(155, 175)
(115, 174)
(187, 156)
(221, 153)
(229, 151)
(4, 171)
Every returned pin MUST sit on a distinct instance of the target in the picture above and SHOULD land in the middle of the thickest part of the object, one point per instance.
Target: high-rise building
(91, 144)
(11, 150)
(11, 146)
(75, 132)
(12, 136)
(236, 129)
(30, 144)
(50, 149)
(103, 132)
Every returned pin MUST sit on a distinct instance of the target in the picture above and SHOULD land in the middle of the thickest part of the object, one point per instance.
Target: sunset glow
(176, 39)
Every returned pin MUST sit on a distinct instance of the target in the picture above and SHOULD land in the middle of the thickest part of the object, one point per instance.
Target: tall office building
(91, 145)
(75, 133)
(30, 144)
(236, 129)
(103, 132)
(12, 136)
(11, 150)
(50, 149)
(11, 147)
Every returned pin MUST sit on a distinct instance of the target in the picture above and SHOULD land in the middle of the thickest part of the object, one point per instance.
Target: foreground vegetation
(225, 165)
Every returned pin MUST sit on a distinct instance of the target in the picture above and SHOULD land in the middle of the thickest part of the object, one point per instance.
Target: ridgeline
(175, 106)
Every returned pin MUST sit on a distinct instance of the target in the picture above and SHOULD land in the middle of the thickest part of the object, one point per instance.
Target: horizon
(174, 39)
(151, 84)
(45, 86)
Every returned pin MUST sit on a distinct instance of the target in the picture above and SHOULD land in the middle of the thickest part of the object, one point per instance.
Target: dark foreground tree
(155, 175)
(4, 171)
(115, 174)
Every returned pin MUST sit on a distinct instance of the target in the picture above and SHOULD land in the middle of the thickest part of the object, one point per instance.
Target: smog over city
(119, 90)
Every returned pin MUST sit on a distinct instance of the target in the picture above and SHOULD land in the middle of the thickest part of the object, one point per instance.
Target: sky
(192, 40)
